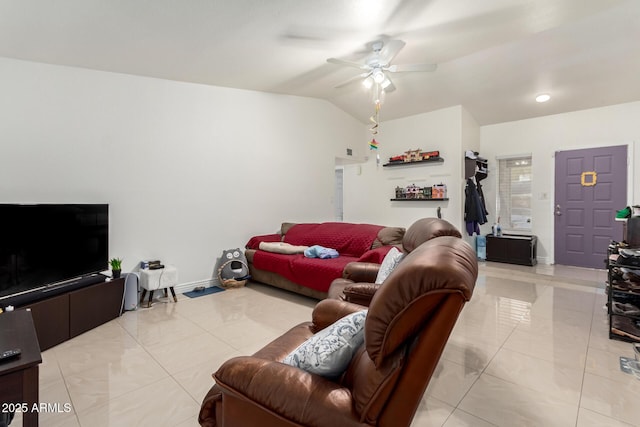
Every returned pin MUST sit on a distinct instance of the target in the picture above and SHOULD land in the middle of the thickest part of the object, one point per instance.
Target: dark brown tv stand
(62, 317)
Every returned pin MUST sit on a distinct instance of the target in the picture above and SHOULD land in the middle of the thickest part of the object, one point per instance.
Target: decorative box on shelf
(412, 157)
(414, 193)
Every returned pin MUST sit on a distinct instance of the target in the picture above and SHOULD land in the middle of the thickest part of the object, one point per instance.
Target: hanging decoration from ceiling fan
(373, 144)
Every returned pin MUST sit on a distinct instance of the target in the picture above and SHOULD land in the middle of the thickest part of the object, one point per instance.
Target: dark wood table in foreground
(19, 376)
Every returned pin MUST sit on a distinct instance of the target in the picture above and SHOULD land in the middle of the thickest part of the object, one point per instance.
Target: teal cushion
(329, 352)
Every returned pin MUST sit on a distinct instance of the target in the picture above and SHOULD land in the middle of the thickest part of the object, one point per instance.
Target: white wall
(368, 187)
(470, 134)
(542, 137)
(188, 170)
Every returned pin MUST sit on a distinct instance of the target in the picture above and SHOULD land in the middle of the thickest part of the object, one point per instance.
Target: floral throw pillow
(390, 261)
(329, 352)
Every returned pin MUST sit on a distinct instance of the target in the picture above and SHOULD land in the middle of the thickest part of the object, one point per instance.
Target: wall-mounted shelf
(419, 200)
(477, 167)
(413, 192)
(421, 162)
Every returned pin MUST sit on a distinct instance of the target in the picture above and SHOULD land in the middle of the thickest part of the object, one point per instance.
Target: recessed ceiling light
(543, 98)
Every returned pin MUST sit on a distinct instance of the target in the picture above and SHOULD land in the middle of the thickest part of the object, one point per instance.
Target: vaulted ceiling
(493, 56)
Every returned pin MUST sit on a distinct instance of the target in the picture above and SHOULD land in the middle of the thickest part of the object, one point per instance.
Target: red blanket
(348, 239)
(254, 242)
(314, 273)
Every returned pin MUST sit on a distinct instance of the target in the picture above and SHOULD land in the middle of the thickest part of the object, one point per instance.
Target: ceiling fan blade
(407, 10)
(354, 79)
(405, 68)
(347, 63)
(389, 50)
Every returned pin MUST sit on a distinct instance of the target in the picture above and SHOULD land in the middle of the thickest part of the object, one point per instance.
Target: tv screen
(44, 244)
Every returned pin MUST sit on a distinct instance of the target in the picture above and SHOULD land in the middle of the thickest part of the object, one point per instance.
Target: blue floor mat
(206, 291)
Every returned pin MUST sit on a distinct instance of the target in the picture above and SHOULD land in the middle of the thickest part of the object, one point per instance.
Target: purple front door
(591, 184)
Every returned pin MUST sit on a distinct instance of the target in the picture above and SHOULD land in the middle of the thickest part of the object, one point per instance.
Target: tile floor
(530, 349)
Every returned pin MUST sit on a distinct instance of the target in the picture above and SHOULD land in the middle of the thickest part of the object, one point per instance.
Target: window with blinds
(514, 193)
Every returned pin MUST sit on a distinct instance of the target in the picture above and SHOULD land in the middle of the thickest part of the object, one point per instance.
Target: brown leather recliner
(358, 285)
(407, 326)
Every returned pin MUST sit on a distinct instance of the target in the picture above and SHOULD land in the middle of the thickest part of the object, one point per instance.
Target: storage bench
(512, 249)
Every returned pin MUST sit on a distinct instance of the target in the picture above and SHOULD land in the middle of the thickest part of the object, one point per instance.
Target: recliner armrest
(360, 293)
(361, 271)
(329, 311)
(207, 414)
(297, 395)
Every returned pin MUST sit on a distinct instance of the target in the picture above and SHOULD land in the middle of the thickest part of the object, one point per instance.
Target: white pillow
(329, 352)
(390, 261)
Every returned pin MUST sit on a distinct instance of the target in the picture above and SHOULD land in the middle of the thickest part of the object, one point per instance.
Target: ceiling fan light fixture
(385, 83)
(368, 82)
(378, 75)
(544, 97)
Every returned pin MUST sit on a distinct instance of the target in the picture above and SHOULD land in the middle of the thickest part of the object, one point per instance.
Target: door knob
(558, 213)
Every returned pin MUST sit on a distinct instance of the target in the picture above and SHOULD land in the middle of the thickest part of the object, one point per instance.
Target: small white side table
(162, 278)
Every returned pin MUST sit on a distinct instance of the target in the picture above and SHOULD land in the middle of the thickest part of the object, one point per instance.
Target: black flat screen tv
(46, 247)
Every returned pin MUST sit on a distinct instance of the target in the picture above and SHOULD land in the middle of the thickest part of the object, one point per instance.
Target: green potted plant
(116, 267)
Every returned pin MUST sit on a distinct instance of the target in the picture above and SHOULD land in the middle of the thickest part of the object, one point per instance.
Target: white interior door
(338, 195)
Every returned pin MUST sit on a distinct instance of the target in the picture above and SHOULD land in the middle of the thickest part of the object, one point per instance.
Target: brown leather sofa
(357, 284)
(312, 277)
(407, 326)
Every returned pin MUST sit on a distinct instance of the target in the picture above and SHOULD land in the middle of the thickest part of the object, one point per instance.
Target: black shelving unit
(621, 325)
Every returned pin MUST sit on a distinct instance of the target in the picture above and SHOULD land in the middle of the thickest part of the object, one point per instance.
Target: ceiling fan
(378, 63)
